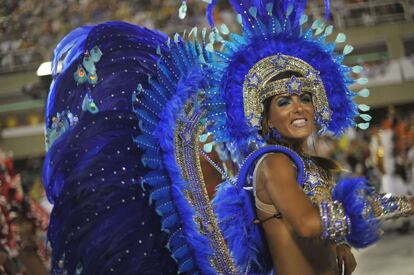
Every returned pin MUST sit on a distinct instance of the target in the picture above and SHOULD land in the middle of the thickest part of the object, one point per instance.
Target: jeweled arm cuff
(336, 224)
(388, 206)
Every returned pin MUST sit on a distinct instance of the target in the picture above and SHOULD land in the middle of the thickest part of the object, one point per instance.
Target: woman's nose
(297, 104)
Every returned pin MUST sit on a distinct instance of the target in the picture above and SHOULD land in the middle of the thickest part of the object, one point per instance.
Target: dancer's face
(292, 116)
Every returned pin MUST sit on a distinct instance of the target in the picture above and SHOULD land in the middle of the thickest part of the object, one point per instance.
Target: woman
(293, 230)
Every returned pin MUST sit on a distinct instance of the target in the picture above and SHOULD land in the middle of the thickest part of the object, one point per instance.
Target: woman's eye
(306, 98)
(282, 102)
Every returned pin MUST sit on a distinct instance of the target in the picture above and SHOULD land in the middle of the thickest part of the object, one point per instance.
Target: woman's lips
(299, 122)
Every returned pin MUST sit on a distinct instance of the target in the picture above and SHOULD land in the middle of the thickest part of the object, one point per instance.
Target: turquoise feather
(347, 49)
(362, 81)
(364, 92)
(340, 38)
(303, 19)
(96, 54)
(365, 117)
(357, 69)
(208, 147)
(253, 11)
(328, 30)
(224, 29)
(364, 107)
(89, 65)
(363, 126)
(182, 11)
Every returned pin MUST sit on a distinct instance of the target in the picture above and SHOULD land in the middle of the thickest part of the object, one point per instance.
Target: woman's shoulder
(280, 160)
(282, 155)
(274, 157)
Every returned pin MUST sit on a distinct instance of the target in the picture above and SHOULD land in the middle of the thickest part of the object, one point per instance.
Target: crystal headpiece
(257, 87)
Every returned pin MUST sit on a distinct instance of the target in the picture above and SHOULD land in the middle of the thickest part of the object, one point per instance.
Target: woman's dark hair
(327, 164)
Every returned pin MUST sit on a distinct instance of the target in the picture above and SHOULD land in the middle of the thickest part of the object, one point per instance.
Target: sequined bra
(317, 186)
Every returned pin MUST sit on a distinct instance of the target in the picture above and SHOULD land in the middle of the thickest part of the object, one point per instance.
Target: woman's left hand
(346, 260)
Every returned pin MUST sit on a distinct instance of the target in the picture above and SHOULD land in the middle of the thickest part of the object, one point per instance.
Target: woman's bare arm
(288, 197)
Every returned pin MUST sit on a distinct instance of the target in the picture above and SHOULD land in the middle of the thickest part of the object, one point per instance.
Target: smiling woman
(288, 116)
(288, 120)
(292, 116)
(304, 219)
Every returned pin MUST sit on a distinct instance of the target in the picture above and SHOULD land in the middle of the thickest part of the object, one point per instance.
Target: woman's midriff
(294, 255)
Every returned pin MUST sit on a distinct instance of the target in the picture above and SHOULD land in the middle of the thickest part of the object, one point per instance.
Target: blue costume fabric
(120, 193)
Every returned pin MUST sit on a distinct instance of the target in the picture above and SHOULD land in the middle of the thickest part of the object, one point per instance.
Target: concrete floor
(392, 255)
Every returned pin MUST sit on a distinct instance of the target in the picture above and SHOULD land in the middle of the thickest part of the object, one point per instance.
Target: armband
(335, 223)
(388, 206)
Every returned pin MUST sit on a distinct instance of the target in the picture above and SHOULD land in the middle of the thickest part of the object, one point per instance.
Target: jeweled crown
(258, 87)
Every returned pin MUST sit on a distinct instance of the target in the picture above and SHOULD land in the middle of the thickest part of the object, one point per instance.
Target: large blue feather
(236, 214)
(327, 9)
(209, 12)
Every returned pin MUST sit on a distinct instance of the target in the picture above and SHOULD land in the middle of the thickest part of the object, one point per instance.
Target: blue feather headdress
(270, 28)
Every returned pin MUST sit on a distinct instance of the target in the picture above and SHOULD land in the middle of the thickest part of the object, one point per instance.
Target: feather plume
(356, 197)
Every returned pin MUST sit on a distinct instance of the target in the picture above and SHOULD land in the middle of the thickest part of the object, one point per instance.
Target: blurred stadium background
(382, 32)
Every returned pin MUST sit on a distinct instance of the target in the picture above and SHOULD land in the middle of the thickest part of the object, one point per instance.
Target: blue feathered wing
(101, 222)
(171, 115)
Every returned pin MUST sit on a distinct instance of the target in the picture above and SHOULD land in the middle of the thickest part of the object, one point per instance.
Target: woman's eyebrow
(282, 96)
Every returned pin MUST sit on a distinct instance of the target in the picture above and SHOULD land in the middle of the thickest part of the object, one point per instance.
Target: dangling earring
(275, 134)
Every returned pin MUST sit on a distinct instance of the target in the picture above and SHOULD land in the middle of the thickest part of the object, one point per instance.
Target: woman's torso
(292, 254)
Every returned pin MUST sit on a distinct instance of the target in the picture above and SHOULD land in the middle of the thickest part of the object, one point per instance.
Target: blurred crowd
(384, 153)
(29, 29)
(23, 223)
(29, 22)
